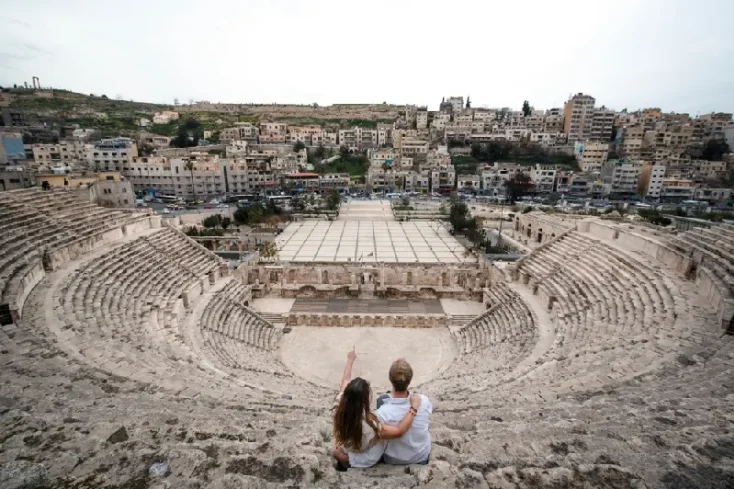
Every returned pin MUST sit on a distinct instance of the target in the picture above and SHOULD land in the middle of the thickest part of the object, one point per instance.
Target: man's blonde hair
(401, 373)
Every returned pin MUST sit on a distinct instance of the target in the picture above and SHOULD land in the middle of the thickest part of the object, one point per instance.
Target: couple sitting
(396, 433)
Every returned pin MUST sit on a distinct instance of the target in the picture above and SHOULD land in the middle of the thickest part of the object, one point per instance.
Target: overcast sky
(673, 54)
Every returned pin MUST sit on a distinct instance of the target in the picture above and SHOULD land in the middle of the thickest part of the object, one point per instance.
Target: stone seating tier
(614, 316)
(33, 223)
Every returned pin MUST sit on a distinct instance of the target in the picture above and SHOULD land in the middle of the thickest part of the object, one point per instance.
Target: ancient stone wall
(394, 280)
(537, 228)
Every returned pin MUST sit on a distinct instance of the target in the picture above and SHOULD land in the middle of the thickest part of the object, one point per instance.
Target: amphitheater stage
(367, 306)
(318, 354)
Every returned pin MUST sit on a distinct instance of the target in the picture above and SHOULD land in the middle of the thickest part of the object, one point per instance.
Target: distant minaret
(468, 102)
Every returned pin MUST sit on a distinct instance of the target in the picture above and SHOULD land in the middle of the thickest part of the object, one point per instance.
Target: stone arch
(307, 291)
(445, 279)
(530, 230)
(325, 277)
(540, 235)
(409, 280)
(292, 276)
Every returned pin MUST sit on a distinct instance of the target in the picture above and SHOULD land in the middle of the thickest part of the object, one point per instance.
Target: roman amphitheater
(599, 359)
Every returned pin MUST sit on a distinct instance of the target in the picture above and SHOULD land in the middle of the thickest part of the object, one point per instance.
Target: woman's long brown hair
(353, 406)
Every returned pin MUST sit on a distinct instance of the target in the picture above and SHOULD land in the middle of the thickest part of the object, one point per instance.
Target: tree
(213, 221)
(241, 215)
(333, 200)
(458, 213)
(468, 102)
(225, 222)
(517, 186)
(268, 250)
(344, 151)
(189, 134)
(715, 150)
(299, 146)
(526, 108)
(45, 185)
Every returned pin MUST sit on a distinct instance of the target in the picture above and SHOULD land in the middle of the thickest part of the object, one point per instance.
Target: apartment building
(578, 115)
(651, 180)
(421, 119)
(154, 140)
(712, 195)
(413, 147)
(622, 176)
(676, 190)
(358, 138)
(165, 117)
(591, 155)
(602, 124)
(440, 120)
(337, 181)
(418, 181)
(379, 157)
(66, 152)
(273, 132)
(553, 121)
(442, 180)
(306, 135)
(241, 132)
(456, 103)
(385, 179)
(468, 183)
(384, 134)
(113, 154)
(543, 178)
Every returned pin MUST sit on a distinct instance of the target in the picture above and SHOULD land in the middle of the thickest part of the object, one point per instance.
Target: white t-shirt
(415, 445)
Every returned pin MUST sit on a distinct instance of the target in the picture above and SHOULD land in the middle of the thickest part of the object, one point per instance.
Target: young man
(414, 447)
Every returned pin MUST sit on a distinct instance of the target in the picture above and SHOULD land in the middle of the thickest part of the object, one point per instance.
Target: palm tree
(190, 167)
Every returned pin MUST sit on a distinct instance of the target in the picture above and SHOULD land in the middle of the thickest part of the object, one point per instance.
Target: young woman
(357, 431)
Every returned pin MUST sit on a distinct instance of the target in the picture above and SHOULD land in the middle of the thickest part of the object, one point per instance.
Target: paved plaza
(366, 210)
(366, 231)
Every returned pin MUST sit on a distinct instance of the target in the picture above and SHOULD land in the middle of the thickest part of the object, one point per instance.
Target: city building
(242, 132)
(419, 182)
(578, 115)
(421, 121)
(113, 154)
(337, 181)
(12, 117)
(590, 155)
(621, 176)
(676, 190)
(602, 124)
(112, 193)
(273, 132)
(16, 177)
(12, 149)
(165, 117)
(651, 180)
(442, 180)
(468, 183)
(543, 178)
